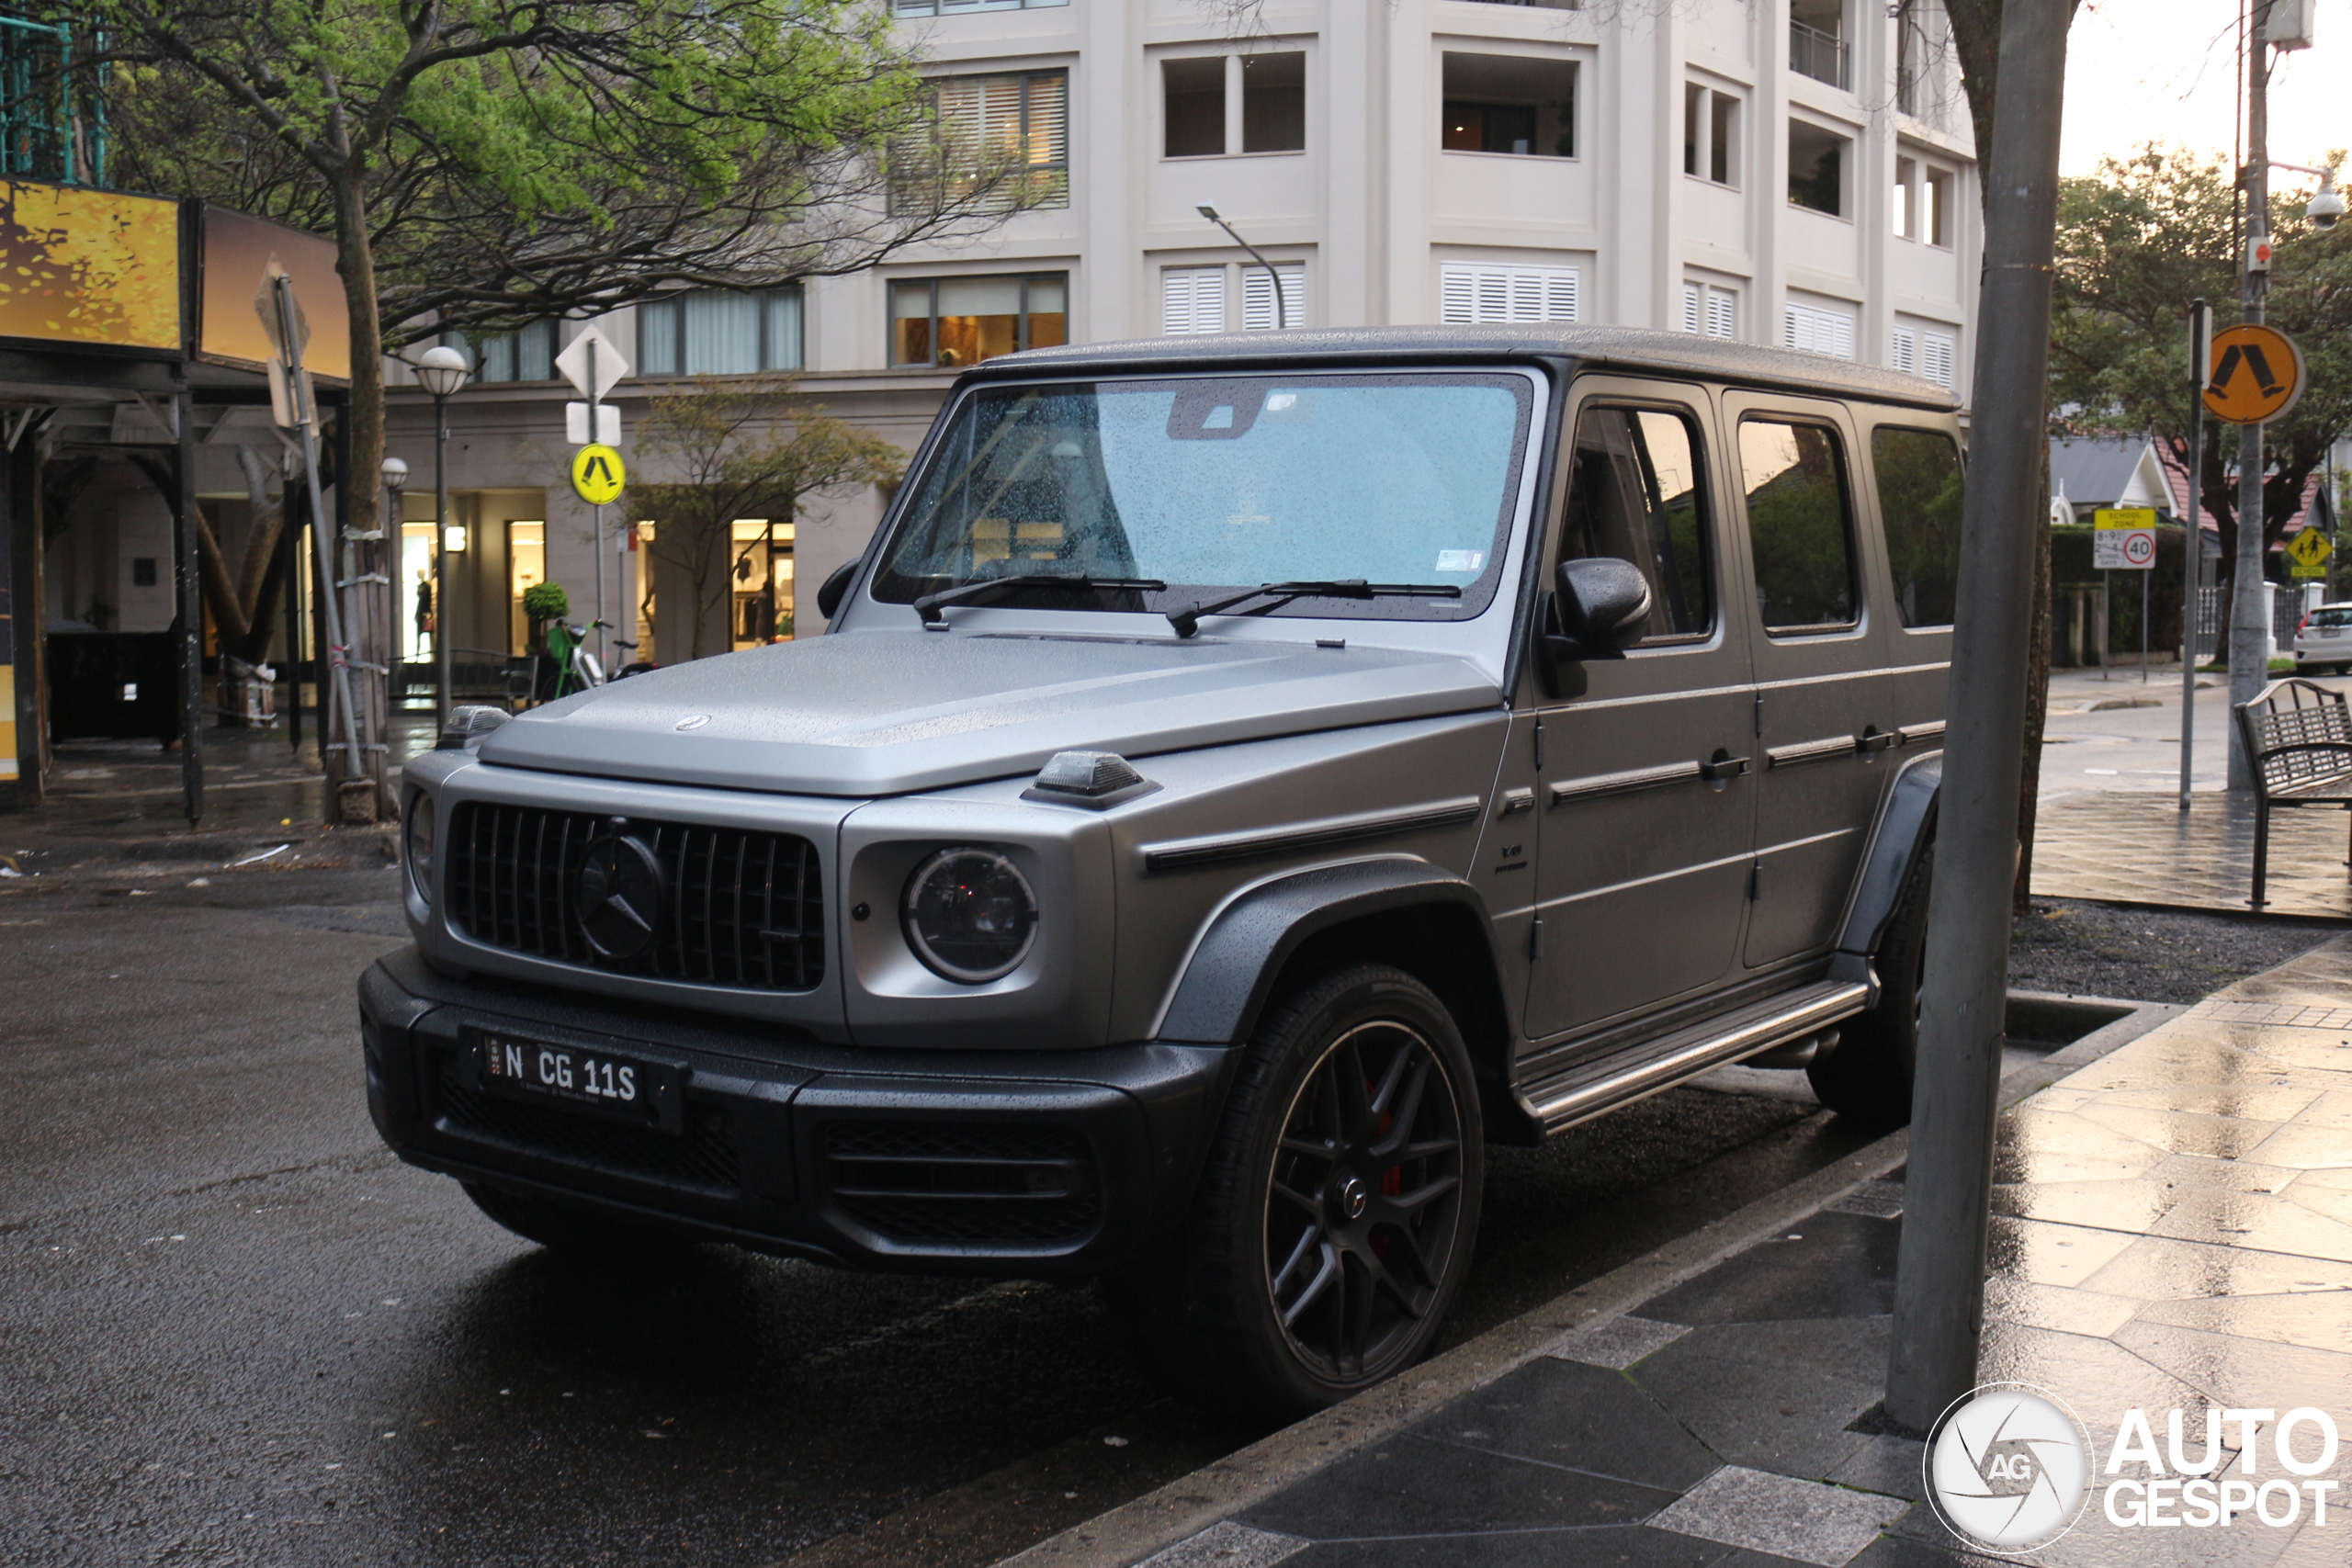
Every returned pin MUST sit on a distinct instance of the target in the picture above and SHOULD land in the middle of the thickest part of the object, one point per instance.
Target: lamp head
(395, 473)
(1205, 210)
(441, 370)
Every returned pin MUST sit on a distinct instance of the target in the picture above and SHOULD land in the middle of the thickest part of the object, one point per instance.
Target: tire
(1866, 1075)
(574, 1233)
(1331, 1228)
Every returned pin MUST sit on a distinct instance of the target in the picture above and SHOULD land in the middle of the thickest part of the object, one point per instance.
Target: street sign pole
(2192, 570)
(594, 401)
(2250, 634)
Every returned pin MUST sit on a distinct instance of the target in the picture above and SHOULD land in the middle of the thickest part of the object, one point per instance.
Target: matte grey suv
(1244, 777)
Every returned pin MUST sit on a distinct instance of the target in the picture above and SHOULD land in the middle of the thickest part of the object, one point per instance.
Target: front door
(1826, 715)
(1645, 806)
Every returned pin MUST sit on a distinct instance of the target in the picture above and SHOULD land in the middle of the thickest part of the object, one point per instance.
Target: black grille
(740, 909)
(919, 1183)
(701, 1155)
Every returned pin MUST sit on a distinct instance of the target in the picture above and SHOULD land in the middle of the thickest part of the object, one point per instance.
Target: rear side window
(1918, 501)
(1635, 495)
(1800, 526)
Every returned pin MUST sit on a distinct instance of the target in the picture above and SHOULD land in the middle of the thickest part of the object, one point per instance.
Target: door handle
(1722, 768)
(1878, 741)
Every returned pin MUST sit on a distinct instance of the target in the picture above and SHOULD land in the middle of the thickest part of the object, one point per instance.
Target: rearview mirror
(1604, 603)
(829, 597)
(1600, 606)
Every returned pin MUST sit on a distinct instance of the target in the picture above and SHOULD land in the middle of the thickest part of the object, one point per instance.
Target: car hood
(877, 713)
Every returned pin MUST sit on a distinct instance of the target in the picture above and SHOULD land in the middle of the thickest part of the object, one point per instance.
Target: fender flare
(1248, 939)
(1906, 826)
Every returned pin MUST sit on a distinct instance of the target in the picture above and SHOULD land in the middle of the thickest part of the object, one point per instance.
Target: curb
(1192, 1502)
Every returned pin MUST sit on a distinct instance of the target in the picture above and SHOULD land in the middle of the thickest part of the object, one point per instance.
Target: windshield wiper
(1187, 622)
(928, 606)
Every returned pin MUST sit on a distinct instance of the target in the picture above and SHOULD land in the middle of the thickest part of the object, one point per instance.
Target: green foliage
(545, 601)
(2135, 243)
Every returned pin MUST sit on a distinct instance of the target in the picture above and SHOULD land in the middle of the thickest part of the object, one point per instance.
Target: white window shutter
(1469, 293)
(1943, 354)
(1723, 314)
(1258, 314)
(1192, 299)
(1691, 306)
(1904, 356)
(1819, 331)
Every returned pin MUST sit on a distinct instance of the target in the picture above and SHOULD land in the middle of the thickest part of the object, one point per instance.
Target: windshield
(1224, 482)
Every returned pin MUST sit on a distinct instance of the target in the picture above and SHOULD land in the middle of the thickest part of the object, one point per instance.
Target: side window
(1918, 497)
(1635, 494)
(1800, 526)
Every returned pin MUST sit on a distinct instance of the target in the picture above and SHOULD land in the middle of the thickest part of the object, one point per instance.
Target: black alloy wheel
(1362, 1206)
(1337, 1209)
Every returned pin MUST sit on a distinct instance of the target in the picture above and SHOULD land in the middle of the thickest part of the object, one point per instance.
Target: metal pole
(191, 612)
(442, 619)
(290, 538)
(1282, 312)
(321, 554)
(2105, 622)
(594, 410)
(2192, 570)
(1939, 1282)
(2250, 634)
(2145, 577)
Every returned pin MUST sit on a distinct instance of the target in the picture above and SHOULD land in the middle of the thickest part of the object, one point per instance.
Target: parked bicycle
(577, 670)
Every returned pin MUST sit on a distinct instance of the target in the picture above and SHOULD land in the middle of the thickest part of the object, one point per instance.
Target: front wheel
(1336, 1217)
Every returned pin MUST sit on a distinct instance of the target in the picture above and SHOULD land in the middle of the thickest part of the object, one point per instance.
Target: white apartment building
(1791, 172)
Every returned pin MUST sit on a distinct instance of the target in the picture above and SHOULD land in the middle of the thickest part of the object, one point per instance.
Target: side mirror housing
(1600, 606)
(836, 588)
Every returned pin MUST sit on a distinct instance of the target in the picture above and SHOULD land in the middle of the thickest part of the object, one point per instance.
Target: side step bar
(1592, 1088)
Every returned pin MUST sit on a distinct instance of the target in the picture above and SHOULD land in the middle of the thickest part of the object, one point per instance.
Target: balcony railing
(52, 126)
(1825, 57)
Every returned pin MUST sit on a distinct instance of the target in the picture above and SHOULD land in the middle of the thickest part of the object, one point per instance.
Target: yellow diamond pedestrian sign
(597, 474)
(2309, 551)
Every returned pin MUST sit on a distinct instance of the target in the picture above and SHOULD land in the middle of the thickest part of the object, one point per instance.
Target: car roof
(1631, 349)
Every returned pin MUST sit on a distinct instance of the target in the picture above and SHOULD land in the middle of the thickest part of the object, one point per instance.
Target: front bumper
(1032, 1164)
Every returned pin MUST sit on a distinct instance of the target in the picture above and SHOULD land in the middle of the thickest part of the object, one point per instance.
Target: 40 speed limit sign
(2125, 539)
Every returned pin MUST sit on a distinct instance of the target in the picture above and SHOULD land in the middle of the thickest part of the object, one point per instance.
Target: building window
(1192, 299)
(1924, 351)
(959, 8)
(1816, 331)
(1507, 103)
(1922, 205)
(1474, 292)
(719, 331)
(997, 143)
(1215, 103)
(1258, 314)
(1710, 132)
(1817, 168)
(1710, 309)
(962, 321)
(526, 354)
(1817, 41)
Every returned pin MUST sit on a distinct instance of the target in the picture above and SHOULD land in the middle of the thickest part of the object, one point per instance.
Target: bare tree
(728, 449)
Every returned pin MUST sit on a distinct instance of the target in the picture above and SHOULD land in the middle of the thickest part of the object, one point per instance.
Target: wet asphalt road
(233, 1330)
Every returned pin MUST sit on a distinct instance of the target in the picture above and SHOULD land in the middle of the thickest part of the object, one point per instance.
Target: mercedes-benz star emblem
(617, 896)
(692, 721)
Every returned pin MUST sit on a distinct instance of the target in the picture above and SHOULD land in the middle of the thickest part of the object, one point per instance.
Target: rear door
(1825, 711)
(1641, 855)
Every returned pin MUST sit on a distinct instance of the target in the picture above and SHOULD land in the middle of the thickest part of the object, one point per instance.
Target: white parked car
(2324, 638)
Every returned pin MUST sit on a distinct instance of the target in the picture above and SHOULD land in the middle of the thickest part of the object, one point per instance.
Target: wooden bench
(2300, 735)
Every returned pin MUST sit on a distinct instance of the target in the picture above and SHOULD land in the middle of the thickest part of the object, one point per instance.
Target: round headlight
(969, 915)
(416, 843)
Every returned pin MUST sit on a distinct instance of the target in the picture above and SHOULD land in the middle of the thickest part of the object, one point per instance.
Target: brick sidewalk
(2173, 1230)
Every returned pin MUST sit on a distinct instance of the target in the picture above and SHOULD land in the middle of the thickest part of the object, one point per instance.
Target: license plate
(592, 1080)
(2330, 631)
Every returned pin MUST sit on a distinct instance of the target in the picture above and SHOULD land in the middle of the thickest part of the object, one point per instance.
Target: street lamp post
(1282, 312)
(441, 370)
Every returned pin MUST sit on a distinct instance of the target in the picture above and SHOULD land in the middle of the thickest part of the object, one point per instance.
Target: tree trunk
(364, 449)
(2037, 711)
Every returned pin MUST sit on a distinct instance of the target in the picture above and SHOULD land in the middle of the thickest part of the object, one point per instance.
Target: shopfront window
(962, 321)
(763, 600)
(526, 565)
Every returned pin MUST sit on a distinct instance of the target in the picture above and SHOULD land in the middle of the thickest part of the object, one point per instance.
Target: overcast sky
(2145, 69)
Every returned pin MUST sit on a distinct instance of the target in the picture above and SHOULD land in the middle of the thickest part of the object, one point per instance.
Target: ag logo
(2007, 1468)
(617, 896)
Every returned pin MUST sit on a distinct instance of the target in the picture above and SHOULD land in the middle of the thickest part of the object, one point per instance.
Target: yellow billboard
(89, 266)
